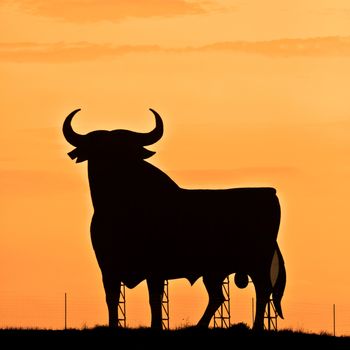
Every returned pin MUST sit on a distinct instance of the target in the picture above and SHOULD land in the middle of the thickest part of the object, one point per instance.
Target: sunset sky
(252, 93)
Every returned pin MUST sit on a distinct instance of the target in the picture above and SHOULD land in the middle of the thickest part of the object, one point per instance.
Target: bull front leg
(155, 292)
(112, 291)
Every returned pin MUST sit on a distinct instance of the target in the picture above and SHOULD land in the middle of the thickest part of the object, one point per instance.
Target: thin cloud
(110, 10)
(238, 172)
(66, 52)
(85, 51)
(322, 46)
(218, 178)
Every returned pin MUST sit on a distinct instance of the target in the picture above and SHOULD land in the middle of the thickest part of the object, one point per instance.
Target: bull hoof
(202, 325)
(156, 327)
(257, 330)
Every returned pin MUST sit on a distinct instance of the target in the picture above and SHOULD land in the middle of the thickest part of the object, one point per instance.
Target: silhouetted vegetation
(237, 334)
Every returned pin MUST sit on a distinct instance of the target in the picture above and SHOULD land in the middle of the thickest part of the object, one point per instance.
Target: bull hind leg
(155, 292)
(263, 290)
(213, 285)
(112, 291)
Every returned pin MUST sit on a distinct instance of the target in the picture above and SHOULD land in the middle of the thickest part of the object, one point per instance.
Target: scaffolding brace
(122, 307)
(222, 317)
(270, 316)
(165, 305)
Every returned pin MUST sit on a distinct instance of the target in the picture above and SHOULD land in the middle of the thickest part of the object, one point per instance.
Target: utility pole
(65, 311)
(333, 319)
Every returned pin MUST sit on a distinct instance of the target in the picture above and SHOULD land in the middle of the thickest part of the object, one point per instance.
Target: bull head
(102, 144)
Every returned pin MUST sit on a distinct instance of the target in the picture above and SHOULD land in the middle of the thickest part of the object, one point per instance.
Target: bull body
(141, 214)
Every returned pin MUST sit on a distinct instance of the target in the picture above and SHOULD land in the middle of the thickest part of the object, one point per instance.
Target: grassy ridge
(181, 337)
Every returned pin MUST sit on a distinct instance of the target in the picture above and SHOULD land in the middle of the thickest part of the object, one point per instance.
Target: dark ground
(237, 336)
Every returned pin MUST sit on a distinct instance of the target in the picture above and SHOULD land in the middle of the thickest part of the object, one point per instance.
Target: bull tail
(278, 280)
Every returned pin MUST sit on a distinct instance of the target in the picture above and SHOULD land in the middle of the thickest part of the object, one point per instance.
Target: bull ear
(78, 154)
(145, 153)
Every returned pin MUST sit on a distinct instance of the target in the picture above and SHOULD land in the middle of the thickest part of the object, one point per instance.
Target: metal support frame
(122, 307)
(270, 316)
(165, 306)
(222, 317)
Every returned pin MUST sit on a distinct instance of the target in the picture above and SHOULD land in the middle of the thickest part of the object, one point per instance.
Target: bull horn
(153, 136)
(71, 136)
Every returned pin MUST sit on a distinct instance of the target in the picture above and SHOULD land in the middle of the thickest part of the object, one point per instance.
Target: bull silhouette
(146, 227)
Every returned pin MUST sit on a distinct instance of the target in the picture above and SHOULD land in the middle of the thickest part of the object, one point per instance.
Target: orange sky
(252, 93)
